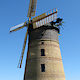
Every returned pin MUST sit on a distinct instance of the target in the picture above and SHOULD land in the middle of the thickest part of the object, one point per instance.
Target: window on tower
(42, 67)
(42, 43)
(42, 52)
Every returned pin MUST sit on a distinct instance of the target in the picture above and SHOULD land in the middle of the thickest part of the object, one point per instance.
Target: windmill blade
(17, 27)
(38, 17)
(32, 8)
(22, 54)
(44, 18)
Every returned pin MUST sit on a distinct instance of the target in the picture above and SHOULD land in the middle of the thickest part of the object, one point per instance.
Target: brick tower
(44, 60)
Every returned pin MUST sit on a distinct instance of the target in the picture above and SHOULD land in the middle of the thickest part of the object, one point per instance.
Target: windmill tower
(44, 61)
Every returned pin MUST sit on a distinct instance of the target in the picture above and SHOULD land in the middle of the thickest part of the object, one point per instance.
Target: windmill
(36, 23)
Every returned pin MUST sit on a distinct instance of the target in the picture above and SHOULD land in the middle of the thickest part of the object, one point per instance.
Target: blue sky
(13, 12)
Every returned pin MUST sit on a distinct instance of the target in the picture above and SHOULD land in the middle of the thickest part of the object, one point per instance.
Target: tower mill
(44, 61)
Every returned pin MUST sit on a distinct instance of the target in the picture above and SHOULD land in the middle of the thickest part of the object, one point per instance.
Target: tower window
(42, 52)
(42, 42)
(42, 67)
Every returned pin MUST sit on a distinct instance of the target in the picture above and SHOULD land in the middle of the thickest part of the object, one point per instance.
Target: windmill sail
(22, 54)
(44, 18)
(32, 8)
(17, 27)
